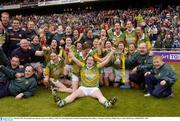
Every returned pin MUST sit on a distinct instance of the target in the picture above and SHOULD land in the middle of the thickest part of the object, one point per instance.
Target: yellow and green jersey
(96, 56)
(68, 60)
(47, 54)
(55, 70)
(130, 37)
(139, 19)
(116, 38)
(90, 76)
(79, 56)
(145, 39)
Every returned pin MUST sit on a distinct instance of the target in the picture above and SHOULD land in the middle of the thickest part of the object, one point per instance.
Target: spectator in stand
(176, 43)
(167, 42)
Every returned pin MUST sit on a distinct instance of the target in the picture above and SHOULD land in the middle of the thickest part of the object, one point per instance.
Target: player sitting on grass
(54, 73)
(90, 76)
(160, 80)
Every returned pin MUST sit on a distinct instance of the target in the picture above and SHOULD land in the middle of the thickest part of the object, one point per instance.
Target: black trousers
(4, 89)
(155, 88)
(137, 78)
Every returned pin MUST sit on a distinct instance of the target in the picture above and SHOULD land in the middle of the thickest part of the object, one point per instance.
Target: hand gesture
(134, 70)
(163, 82)
(70, 55)
(113, 49)
(147, 73)
(18, 75)
(19, 96)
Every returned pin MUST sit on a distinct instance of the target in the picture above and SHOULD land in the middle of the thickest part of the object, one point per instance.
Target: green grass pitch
(130, 103)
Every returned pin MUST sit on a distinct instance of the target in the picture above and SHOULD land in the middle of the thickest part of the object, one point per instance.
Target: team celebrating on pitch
(80, 62)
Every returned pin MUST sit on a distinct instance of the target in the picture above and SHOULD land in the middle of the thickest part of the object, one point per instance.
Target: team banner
(169, 56)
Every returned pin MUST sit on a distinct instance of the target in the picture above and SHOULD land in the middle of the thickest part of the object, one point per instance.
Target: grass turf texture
(130, 103)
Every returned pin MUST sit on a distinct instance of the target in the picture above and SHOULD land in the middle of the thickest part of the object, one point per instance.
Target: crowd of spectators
(162, 26)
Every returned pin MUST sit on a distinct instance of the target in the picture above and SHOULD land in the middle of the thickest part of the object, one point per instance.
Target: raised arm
(9, 72)
(78, 62)
(80, 37)
(108, 57)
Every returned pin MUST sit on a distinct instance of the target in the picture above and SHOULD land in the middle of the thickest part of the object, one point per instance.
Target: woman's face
(103, 33)
(132, 48)
(53, 57)
(68, 41)
(76, 33)
(95, 43)
(54, 44)
(36, 40)
(138, 30)
(79, 46)
(90, 61)
(108, 44)
(117, 27)
(129, 25)
(121, 46)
